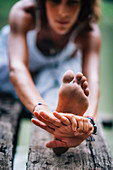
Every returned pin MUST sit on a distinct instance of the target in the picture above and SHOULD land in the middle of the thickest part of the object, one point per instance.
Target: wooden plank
(6, 146)
(10, 111)
(86, 156)
(100, 152)
(41, 157)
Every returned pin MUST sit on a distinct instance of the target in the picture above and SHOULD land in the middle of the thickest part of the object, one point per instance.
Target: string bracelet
(93, 123)
(91, 138)
(39, 103)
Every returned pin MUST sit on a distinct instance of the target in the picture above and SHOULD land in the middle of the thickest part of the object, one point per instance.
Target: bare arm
(90, 68)
(21, 22)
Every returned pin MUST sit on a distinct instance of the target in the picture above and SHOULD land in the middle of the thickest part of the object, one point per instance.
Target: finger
(62, 118)
(72, 119)
(74, 124)
(43, 120)
(78, 133)
(50, 118)
(81, 135)
(90, 126)
(42, 125)
(39, 117)
(86, 126)
(80, 125)
(36, 114)
(91, 129)
(90, 133)
(56, 144)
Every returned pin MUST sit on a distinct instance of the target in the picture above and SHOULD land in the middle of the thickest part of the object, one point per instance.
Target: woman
(63, 36)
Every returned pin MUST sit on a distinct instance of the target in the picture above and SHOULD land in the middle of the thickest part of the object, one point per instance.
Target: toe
(86, 91)
(68, 76)
(78, 77)
(85, 85)
(82, 80)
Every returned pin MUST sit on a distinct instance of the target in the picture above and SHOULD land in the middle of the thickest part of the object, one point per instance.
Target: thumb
(56, 144)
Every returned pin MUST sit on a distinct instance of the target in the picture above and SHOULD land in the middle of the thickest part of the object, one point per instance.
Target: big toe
(68, 76)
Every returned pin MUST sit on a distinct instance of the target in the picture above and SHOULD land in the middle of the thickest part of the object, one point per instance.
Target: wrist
(92, 115)
(93, 123)
(41, 106)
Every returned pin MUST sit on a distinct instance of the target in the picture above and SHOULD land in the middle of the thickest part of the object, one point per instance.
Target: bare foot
(73, 97)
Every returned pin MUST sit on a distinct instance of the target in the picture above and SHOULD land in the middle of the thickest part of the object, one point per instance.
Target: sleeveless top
(37, 60)
(50, 69)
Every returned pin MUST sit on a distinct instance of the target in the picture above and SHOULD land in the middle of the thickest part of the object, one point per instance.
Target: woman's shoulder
(92, 31)
(21, 15)
(90, 35)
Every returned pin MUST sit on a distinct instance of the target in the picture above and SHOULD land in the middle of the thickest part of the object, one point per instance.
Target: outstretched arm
(21, 20)
(90, 68)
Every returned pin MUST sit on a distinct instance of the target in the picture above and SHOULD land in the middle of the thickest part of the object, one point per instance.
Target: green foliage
(5, 6)
(107, 9)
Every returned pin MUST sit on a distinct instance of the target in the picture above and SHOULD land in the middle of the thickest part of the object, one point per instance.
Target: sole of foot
(73, 97)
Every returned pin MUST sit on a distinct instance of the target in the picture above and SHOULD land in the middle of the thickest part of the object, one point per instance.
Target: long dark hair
(90, 11)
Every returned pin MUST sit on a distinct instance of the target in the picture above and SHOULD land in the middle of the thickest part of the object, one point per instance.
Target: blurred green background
(106, 71)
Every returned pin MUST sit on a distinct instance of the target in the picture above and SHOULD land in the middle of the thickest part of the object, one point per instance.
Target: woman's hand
(63, 124)
(69, 142)
(71, 130)
(47, 121)
(78, 123)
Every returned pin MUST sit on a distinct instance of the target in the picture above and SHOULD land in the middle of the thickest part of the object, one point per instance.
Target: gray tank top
(38, 60)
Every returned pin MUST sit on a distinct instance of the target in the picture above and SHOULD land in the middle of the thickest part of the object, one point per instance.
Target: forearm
(93, 100)
(19, 73)
(25, 88)
(91, 69)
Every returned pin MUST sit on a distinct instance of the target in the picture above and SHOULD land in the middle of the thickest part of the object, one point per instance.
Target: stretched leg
(73, 97)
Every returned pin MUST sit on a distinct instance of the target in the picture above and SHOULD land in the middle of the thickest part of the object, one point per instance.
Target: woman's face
(62, 14)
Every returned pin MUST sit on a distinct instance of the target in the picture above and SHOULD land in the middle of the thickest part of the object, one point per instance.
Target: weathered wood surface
(87, 156)
(94, 155)
(9, 118)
